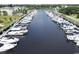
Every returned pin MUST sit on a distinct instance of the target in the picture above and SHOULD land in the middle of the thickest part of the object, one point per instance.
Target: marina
(44, 36)
(39, 34)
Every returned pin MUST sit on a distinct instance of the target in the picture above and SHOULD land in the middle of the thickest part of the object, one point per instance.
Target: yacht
(8, 40)
(28, 18)
(69, 27)
(6, 47)
(17, 32)
(77, 43)
(74, 37)
(22, 27)
(72, 31)
(26, 21)
(70, 37)
(19, 28)
(21, 24)
(14, 33)
(13, 28)
(60, 20)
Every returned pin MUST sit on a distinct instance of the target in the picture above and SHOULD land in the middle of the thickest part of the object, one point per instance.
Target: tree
(5, 13)
(1, 21)
(0, 13)
(70, 10)
(78, 16)
(24, 11)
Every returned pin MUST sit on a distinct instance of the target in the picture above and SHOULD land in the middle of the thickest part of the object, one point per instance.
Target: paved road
(44, 36)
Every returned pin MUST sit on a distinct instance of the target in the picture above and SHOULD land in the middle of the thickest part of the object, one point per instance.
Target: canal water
(44, 37)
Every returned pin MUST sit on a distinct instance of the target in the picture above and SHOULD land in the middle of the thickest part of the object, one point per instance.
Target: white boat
(17, 32)
(26, 21)
(6, 47)
(60, 20)
(72, 31)
(77, 43)
(74, 37)
(64, 27)
(70, 37)
(14, 33)
(30, 18)
(77, 40)
(21, 27)
(8, 40)
(20, 31)
(68, 31)
(18, 28)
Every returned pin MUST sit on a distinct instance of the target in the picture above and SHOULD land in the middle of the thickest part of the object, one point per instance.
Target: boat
(60, 20)
(74, 37)
(14, 33)
(22, 24)
(28, 18)
(77, 43)
(65, 27)
(17, 32)
(19, 28)
(6, 47)
(70, 37)
(8, 40)
(14, 28)
(72, 31)
(26, 21)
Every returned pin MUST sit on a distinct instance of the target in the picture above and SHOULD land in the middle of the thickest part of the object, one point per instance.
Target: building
(9, 10)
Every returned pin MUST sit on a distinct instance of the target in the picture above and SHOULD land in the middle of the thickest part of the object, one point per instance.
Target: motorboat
(69, 27)
(28, 18)
(14, 33)
(77, 43)
(6, 47)
(70, 37)
(14, 28)
(21, 24)
(19, 32)
(26, 21)
(19, 28)
(60, 20)
(72, 31)
(8, 40)
(74, 37)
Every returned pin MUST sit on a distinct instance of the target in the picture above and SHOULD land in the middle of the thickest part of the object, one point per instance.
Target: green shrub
(1, 21)
(5, 13)
(0, 13)
(70, 10)
(78, 16)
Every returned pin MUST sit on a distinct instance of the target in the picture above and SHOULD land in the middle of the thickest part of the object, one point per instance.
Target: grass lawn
(72, 18)
(7, 21)
(74, 15)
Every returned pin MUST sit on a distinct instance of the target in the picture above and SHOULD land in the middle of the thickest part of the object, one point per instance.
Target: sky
(39, 1)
